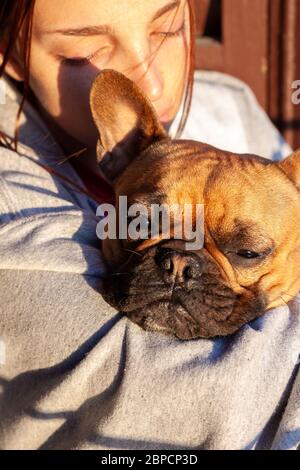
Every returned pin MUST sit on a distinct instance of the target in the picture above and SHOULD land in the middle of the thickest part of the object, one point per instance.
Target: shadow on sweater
(19, 397)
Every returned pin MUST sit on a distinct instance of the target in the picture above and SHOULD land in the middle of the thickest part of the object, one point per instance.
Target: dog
(250, 259)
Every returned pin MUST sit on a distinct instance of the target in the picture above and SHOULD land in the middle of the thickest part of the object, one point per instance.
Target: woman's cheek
(176, 66)
(75, 115)
(65, 98)
(174, 70)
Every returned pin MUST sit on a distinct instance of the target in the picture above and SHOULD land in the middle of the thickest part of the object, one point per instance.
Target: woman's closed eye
(170, 33)
(82, 61)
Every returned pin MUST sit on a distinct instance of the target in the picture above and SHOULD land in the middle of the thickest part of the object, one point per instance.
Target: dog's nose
(177, 266)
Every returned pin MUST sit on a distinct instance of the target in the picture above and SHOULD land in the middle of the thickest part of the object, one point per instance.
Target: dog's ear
(126, 121)
(291, 167)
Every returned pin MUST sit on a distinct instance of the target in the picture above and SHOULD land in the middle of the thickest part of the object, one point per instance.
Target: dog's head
(249, 261)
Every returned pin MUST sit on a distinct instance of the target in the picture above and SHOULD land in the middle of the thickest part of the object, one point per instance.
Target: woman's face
(73, 40)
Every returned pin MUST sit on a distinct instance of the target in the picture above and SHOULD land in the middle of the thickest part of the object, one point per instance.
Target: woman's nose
(145, 73)
(150, 81)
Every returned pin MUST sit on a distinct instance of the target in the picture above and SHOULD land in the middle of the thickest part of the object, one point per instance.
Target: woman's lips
(165, 116)
(164, 119)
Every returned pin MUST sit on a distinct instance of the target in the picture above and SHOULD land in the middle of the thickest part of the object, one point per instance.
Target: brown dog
(250, 261)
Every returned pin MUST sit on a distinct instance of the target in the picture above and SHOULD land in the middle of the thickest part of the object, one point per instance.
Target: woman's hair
(17, 15)
(13, 17)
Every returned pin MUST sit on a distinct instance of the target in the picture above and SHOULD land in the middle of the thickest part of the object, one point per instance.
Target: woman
(74, 373)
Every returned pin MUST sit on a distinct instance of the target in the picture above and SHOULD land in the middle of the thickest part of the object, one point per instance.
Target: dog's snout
(177, 266)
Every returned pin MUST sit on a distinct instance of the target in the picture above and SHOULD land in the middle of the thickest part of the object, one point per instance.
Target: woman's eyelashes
(82, 61)
(171, 34)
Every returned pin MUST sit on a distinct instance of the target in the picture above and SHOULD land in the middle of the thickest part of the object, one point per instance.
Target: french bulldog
(249, 262)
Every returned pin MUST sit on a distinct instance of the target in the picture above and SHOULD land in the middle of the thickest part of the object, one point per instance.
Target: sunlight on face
(73, 40)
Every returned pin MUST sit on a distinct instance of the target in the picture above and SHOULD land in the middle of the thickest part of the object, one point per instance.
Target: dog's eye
(248, 254)
(247, 258)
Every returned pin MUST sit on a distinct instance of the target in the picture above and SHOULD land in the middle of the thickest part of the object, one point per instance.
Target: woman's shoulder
(28, 184)
(25, 169)
(226, 113)
(41, 224)
(46, 222)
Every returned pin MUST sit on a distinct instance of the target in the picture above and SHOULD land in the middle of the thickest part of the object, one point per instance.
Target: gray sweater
(75, 373)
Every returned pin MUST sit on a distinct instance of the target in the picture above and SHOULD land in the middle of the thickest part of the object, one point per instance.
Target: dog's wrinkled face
(250, 259)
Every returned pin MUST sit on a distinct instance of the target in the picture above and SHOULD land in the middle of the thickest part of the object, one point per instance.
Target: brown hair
(14, 16)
